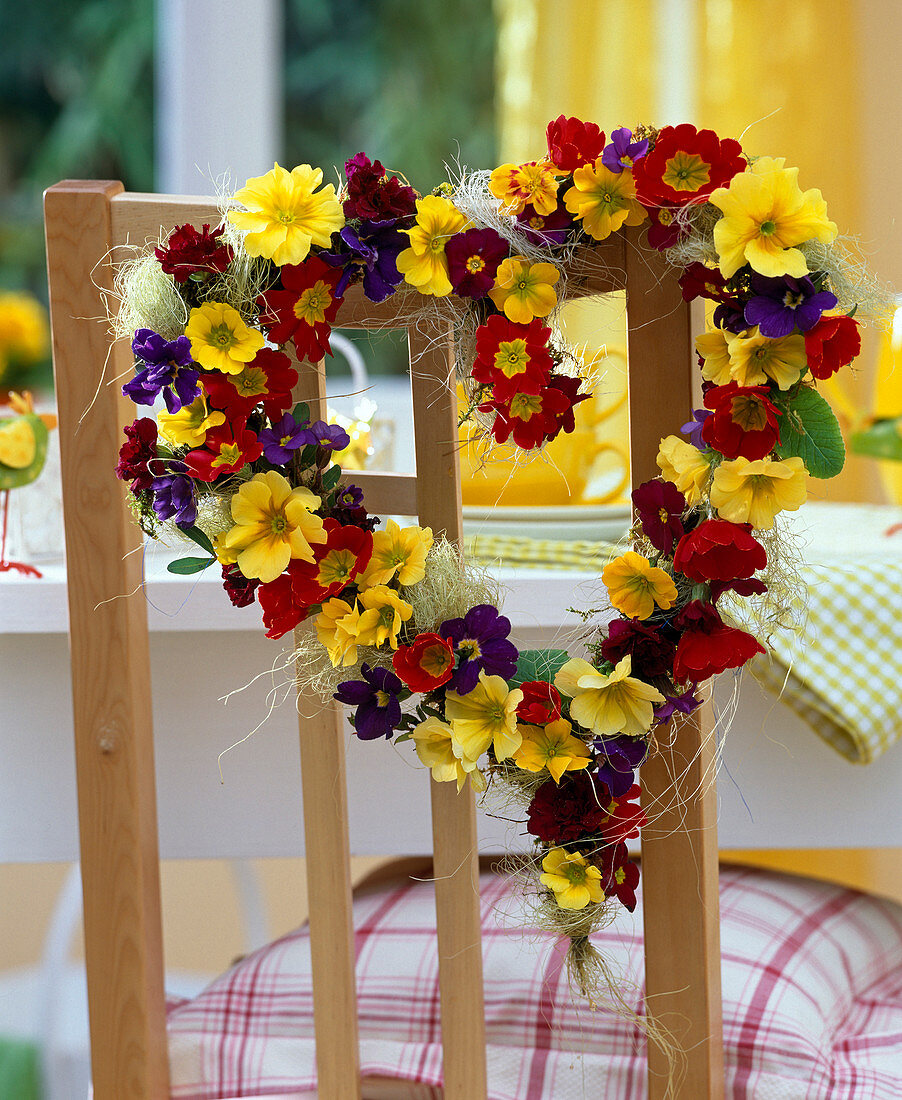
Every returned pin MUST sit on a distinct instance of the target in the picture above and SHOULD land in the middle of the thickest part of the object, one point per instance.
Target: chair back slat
(679, 847)
(110, 668)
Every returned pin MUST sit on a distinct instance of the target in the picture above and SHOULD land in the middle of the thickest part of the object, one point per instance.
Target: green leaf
(330, 477)
(539, 664)
(186, 566)
(301, 412)
(882, 440)
(809, 430)
(196, 535)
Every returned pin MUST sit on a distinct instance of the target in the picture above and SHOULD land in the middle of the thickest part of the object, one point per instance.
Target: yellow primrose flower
(607, 704)
(519, 185)
(220, 340)
(755, 358)
(605, 200)
(273, 524)
(438, 750)
(485, 716)
(685, 466)
(712, 347)
(766, 214)
(286, 214)
(753, 492)
(189, 426)
(635, 585)
(572, 880)
(337, 628)
(553, 747)
(24, 333)
(524, 290)
(384, 613)
(425, 265)
(398, 550)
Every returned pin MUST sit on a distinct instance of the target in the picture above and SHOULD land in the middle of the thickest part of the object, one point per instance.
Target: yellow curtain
(786, 78)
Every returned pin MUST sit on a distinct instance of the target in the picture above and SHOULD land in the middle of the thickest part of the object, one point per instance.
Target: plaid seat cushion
(812, 982)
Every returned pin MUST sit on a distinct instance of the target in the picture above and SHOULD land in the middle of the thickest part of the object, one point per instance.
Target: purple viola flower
(330, 436)
(481, 643)
(693, 428)
(168, 367)
(729, 315)
(781, 305)
(283, 439)
(349, 510)
(173, 494)
(620, 757)
(623, 152)
(677, 704)
(371, 251)
(376, 699)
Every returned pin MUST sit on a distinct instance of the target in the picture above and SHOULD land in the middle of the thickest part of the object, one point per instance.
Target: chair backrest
(85, 222)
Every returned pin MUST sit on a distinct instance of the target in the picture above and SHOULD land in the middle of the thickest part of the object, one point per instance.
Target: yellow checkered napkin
(515, 552)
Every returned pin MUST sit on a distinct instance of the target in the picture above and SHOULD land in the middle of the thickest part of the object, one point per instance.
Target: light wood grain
(679, 848)
(455, 846)
(110, 669)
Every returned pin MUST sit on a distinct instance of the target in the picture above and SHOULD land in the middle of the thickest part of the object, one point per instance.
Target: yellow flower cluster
(749, 358)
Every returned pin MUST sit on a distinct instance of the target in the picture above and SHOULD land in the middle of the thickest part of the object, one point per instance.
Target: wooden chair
(85, 222)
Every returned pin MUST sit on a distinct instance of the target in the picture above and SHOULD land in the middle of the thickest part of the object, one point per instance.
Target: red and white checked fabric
(812, 988)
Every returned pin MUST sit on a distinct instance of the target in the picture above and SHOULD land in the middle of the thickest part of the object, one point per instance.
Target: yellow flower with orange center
(754, 492)
(755, 358)
(553, 747)
(524, 290)
(437, 749)
(425, 265)
(520, 185)
(400, 551)
(485, 716)
(572, 879)
(635, 586)
(189, 426)
(608, 703)
(383, 615)
(604, 200)
(286, 214)
(766, 215)
(273, 524)
(684, 465)
(220, 340)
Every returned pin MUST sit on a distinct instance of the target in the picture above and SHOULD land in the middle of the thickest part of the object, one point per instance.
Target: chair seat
(812, 995)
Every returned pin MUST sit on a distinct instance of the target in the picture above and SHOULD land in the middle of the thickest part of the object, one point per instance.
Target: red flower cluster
(572, 143)
(268, 380)
(744, 421)
(685, 166)
(304, 309)
(188, 253)
(373, 194)
(719, 550)
(541, 703)
(425, 664)
(834, 342)
(136, 454)
(226, 449)
(707, 645)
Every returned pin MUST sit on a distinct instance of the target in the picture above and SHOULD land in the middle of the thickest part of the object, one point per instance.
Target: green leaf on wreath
(186, 566)
(196, 535)
(882, 440)
(330, 477)
(810, 431)
(539, 664)
(301, 412)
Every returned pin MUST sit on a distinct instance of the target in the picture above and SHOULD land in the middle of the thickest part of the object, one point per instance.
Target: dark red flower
(699, 281)
(707, 645)
(512, 358)
(338, 562)
(743, 421)
(373, 194)
(530, 418)
(566, 421)
(650, 652)
(719, 550)
(545, 229)
(541, 703)
(425, 664)
(304, 309)
(685, 166)
(833, 343)
(267, 380)
(281, 612)
(239, 588)
(136, 454)
(660, 507)
(619, 875)
(188, 252)
(577, 807)
(473, 259)
(664, 228)
(626, 817)
(572, 143)
(742, 586)
(226, 449)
